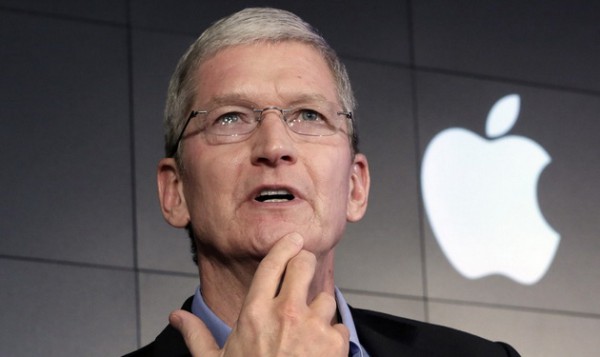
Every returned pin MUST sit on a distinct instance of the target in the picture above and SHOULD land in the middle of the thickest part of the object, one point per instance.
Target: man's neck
(224, 287)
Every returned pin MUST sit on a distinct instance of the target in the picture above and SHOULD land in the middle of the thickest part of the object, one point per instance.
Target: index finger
(270, 270)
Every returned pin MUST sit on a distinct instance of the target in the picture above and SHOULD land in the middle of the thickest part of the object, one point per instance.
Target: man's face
(220, 183)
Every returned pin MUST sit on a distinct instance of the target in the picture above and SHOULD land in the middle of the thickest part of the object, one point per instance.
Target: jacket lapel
(170, 342)
(383, 337)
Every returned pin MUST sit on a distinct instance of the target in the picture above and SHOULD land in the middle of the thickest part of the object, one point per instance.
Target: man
(264, 171)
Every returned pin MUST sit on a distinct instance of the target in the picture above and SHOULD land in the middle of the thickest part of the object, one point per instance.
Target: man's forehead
(265, 45)
(294, 73)
(290, 49)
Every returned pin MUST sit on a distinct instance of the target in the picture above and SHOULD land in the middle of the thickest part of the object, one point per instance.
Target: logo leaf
(503, 115)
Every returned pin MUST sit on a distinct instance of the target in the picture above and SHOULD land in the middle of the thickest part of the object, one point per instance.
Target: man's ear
(170, 194)
(358, 195)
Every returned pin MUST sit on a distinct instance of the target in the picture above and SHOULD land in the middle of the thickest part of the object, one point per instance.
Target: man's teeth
(274, 196)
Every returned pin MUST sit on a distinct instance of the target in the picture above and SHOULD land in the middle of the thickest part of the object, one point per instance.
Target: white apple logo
(481, 199)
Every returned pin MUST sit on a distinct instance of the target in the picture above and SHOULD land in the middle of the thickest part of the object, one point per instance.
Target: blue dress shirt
(221, 331)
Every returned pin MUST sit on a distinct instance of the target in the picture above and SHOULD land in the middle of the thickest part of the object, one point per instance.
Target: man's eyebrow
(304, 98)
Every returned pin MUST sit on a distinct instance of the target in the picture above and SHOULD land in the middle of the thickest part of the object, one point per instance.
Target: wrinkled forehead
(293, 70)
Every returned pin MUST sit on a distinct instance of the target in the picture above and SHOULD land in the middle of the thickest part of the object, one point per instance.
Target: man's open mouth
(274, 196)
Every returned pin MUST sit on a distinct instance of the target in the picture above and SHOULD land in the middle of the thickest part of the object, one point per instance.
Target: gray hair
(248, 26)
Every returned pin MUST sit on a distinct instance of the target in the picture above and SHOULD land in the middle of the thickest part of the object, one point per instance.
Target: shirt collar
(356, 349)
(221, 331)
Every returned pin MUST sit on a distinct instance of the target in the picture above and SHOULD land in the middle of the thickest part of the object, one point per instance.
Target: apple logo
(481, 199)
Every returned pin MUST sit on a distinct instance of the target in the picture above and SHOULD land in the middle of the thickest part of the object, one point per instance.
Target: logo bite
(480, 197)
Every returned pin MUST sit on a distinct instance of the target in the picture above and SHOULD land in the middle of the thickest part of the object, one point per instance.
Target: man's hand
(276, 319)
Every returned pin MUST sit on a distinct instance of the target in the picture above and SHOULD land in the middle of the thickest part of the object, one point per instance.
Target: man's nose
(272, 142)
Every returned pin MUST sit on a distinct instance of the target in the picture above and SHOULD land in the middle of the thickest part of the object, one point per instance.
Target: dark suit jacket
(380, 334)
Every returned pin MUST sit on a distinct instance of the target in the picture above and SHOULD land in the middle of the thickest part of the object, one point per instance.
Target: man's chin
(266, 239)
(313, 241)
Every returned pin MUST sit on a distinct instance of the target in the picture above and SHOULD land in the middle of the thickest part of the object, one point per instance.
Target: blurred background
(88, 267)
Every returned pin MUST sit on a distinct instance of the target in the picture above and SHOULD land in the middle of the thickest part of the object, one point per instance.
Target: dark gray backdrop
(87, 265)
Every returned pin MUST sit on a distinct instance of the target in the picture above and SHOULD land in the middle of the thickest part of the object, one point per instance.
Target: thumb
(198, 339)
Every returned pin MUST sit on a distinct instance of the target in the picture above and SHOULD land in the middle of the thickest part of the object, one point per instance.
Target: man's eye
(228, 119)
(310, 115)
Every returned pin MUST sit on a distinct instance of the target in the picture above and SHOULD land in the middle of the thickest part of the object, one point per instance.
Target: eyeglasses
(233, 123)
